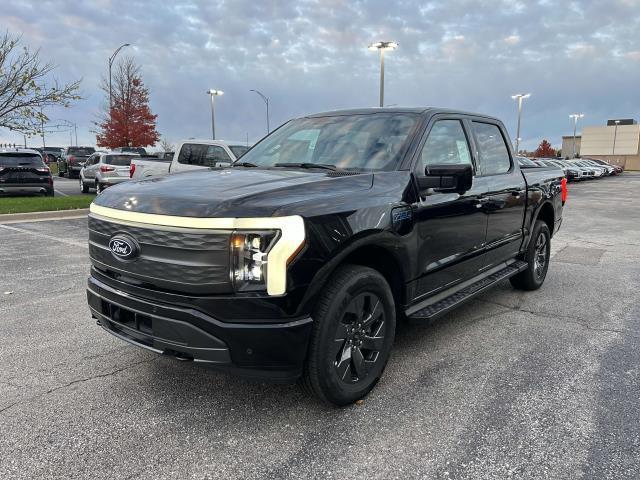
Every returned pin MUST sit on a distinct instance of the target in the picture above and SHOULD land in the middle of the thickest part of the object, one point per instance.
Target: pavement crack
(567, 318)
(75, 382)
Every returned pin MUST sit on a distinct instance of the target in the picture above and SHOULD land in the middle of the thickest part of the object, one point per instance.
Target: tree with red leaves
(129, 121)
(545, 150)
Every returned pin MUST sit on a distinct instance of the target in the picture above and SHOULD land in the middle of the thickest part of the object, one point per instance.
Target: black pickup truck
(297, 261)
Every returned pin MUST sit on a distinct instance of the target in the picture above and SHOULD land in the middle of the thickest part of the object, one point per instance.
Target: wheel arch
(368, 250)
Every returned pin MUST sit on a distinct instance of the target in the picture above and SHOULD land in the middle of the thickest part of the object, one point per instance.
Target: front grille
(172, 259)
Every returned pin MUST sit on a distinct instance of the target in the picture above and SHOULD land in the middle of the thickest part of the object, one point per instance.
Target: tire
(99, 188)
(84, 188)
(353, 331)
(60, 174)
(537, 256)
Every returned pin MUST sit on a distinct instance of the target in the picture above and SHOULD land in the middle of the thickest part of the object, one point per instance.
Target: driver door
(451, 227)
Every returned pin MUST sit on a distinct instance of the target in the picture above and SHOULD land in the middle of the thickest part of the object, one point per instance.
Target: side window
(445, 145)
(216, 155)
(493, 152)
(192, 154)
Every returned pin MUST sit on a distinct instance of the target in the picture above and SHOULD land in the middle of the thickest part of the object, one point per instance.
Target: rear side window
(20, 160)
(118, 160)
(492, 151)
(203, 155)
(445, 145)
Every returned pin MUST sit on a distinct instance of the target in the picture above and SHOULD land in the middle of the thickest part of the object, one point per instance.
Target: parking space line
(61, 193)
(50, 237)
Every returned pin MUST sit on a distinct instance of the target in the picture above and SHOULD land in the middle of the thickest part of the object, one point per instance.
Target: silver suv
(103, 169)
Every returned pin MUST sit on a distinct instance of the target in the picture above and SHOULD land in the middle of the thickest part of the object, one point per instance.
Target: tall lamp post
(382, 46)
(576, 117)
(213, 94)
(111, 60)
(265, 99)
(519, 97)
(615, 134)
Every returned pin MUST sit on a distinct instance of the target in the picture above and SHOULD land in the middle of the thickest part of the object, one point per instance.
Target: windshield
(357, 142)
(238, 150)
(80, 150)
(118, 160)
(20, 160)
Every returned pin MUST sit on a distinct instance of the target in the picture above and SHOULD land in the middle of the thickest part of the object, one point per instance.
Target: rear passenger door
(505, 199)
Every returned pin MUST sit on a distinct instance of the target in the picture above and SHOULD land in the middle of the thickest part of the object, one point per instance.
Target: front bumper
(273, 351)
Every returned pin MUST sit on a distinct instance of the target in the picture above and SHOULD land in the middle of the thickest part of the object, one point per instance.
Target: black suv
(72, 160)
(22, 171)
(297, 261)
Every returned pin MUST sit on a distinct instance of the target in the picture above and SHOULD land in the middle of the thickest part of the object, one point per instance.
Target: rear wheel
(354, 327)
(537, 256)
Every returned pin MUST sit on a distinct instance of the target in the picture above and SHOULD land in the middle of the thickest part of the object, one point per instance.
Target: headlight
(249, 266)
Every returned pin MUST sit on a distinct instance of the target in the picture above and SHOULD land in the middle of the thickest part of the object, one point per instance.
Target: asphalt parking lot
(542, 384)
(66, 186)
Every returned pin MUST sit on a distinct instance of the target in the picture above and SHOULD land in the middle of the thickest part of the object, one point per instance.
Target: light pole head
(617, 122)
(383, 46)
(520, 95)
(576, 116)
(215, 92)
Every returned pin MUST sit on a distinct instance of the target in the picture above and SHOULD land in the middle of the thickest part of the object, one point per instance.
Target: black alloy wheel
(353, 330)
(359, 337)
(537, 257)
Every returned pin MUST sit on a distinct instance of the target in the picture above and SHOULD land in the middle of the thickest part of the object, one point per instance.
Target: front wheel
(353, 331)
(537, 256)
(84, 188)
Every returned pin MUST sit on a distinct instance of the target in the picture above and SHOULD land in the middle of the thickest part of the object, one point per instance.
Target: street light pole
(382, 46)
(111, 59)
(265, 99)
(519, 97)
(213, 94)
(615, 134)
(575, 117)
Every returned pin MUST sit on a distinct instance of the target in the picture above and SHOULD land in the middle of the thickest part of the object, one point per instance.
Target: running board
(443, 306)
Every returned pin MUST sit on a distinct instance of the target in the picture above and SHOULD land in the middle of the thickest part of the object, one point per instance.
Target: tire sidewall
(540, 227)
(337, 391)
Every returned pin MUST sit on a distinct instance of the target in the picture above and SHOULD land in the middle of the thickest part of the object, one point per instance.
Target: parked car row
(574, 170)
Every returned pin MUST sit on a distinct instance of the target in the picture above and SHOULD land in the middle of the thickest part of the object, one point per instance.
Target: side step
(455, 299)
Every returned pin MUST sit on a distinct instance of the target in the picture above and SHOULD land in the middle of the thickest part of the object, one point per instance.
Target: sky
(310, 56)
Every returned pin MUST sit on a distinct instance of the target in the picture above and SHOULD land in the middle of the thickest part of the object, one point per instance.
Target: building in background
(618, 143)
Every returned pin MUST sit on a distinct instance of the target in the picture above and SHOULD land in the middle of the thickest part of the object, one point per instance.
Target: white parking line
(50, 237)
(60, 193)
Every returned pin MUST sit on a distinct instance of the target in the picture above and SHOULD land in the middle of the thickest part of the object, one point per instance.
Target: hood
(232, 192)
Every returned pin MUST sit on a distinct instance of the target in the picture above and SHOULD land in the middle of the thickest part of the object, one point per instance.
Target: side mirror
(447, 178)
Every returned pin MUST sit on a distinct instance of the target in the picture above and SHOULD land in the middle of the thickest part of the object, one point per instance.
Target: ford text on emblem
(123, 247)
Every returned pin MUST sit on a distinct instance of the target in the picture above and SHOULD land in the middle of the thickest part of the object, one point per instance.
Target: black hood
(231, 192)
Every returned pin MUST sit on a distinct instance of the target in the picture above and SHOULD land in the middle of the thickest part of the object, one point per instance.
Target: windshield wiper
(307, 165)
(243, 164)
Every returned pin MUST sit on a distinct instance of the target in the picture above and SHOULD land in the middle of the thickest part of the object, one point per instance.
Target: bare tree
(166, 145)
(25, 87)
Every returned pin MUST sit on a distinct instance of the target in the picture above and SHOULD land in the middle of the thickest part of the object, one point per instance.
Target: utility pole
(519, 97)
(575, 117)
(381, 47)
(213, 93)
(615, 134)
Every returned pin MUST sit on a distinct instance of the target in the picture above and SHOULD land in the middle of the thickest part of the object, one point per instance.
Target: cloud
(311, 55)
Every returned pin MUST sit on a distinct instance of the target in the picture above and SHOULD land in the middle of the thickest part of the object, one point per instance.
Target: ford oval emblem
(123, 247)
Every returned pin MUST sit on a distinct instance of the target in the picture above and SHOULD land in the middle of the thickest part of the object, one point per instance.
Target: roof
(20, 150)
(414, 110)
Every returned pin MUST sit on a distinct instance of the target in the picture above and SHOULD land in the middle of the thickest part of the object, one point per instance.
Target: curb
(40, 216)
